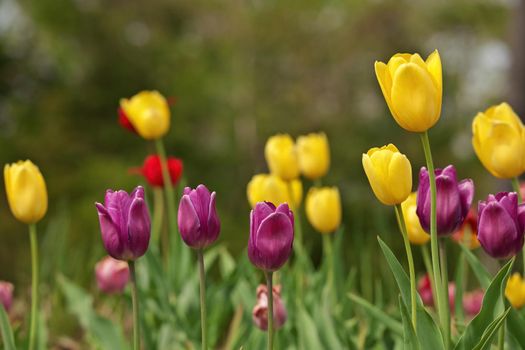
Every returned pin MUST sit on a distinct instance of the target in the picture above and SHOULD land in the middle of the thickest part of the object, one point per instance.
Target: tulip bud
(467, 233)
(270, 188)
(260, 311)
(149, 114)
(498, 138)
(472, 302)
(501, 223)
(453, 199)
(323, 208)
(123, 120)
(313, 154)
(112, 275)
(199, 223)
(125, 224)
(413, 89)
(152, 170)
(515, 291)
(6, 294)
(26, 191)
(271, 235)
(416, 234)
(281, 157)
(389, 173)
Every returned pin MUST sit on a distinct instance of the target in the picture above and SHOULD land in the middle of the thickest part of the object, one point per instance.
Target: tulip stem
(329, 258)
(442, 307)
(516, 187)
(156, 222)
(269, 285)
(34, 285)
(135, 303)
(202, 277)
(411, 269)
(430, 272)
(501, 337)
(444, 276)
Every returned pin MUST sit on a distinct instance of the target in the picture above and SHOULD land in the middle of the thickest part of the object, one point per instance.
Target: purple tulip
(453, 199)
(6, 294)
(501, 223)
(125, 224)
(271, 235)
(199, 223)
(112, 275)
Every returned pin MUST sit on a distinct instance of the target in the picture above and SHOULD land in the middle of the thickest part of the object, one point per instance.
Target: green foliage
(6, 331)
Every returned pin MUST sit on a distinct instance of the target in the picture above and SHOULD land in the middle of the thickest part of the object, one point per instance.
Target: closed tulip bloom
(313, 153)
(26, 191)
(467, 233)
(498, 137)
(152, 170)
(323, 208)
(389, 173)
(125, 224)
(149, 114)
(416, 234)
(199, 223)
(260, 310)
(270, 188)
(112, 275)
(472, 302)
(501, 223)
(453, 199)
(515, 291)
(6, 294)
(281, 157)
(124, 121)
(412, 89)
(271, 235)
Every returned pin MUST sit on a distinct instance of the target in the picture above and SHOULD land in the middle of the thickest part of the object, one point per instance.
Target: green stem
(34, 285)
(444, 277)
(202, 278)
(443, 310)
(428, 267)
(135, 302)
(501, 337)
(411, 269)
(516, 186)
(269, 284)
(329, 259)
(156, 221)
(298, 239)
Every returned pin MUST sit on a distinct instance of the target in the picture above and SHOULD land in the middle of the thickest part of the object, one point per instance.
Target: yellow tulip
(149, 113)
(389, 173)
(499, 141)
(412, 89)
(323, 208)
(515, 290)
(26, 191)
(313, 153)
(281, 157)
(416, 234)
(270, 188)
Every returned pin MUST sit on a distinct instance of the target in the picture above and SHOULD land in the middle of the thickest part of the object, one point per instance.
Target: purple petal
(448, 204)
(187, 190)
(273, 241)
(423, 199)
(509, 201)
(497, 232)
(189, 224)
(449, 171)
(139, 227)
(200, 197)
(110, 234)
(466, 195)
(214, 224)
(521, 217)
(260, 212)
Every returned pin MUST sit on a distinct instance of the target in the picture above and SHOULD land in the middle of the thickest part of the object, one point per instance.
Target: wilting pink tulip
(112, 275)
(472, 302)
(260, 311)
(6, 294)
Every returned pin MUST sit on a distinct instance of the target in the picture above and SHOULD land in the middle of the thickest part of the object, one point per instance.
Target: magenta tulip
(112, 275)
(6, 294)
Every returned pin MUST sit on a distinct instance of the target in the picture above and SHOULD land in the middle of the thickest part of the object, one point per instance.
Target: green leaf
(374, 312)
(479, 270)
(6, 330)
(307, 330)
(409, 335)
(460, 285)
(516, 326)
(490, 332)
(492, 304)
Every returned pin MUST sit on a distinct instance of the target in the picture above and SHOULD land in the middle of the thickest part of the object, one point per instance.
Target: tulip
(260, 310)
(472, 302)
(112, 275)
(389, 173)
(416, 234)
(124, 121)
(323, 208)
(124, 224)
(424, 289)
(6, 295)
(271, 235)
(270, 188)
(413, 89)
(498, 137)
(515, 290)
(199, 223)
(453, 199)
(501, 223)
(26, 191)
(470, 229)
(149, 114)
(313, 154)
(152, 170)
(281, 157)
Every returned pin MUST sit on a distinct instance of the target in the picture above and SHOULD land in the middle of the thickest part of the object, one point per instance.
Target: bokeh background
(240, 71)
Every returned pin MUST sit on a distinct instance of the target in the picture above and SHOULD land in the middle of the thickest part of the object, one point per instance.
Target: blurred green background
(240, 72)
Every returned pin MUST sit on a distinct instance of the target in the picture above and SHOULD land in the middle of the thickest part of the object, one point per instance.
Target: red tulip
(124, 121)
(152, 170)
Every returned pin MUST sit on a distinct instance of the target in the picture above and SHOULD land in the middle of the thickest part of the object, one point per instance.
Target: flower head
(260, 310)
(314, 155)
(112, 275)
(515, 290)
(416, 234)
(323, 208)
(148, 113)
(270, 188)
(152, 170)
(281, 156)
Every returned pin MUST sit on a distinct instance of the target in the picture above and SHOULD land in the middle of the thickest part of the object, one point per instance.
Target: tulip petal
(400, 173)
(110, 234)
(423, 199)
(466, 194)
(433, 63)
(448, 205)
(274, 240)
(385, 82)
(200, 197)
(188, 220)
(214, 225)
(139, 227)
(497, 232)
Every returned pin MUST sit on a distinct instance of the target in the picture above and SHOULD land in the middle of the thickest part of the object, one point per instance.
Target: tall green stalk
(442, 305)
(411, 269)
(329, 258)
(34, 286)
(202, 278)
(269, 285)
(516, 187)
(135, 303)
(444, 277)
(430, 271)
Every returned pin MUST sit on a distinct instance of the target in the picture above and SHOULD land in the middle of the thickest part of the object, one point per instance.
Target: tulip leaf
(490, 332)
(409, 334)
(307, 330)
(460, 285)
(427, 330)
(375, 312)
(6, 330)
(516, 326)
(492, 304)
(479, 270)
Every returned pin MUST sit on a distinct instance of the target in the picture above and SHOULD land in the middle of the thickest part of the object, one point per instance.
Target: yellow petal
(400, 177)
(433, 64)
